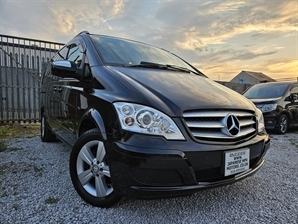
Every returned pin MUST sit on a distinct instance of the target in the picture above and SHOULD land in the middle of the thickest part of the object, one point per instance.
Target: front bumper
(178, 168)
(271, 120)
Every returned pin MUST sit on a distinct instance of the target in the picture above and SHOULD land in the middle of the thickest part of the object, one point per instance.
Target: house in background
(252, 78)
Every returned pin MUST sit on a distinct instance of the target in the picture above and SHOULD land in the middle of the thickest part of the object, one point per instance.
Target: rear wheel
(283, 124)
(89, 170)
(46, 134)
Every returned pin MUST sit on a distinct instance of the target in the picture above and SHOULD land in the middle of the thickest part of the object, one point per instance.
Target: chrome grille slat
(222, 135)
(211, 125)
(215, 114)
(205, 124)
(246, 122)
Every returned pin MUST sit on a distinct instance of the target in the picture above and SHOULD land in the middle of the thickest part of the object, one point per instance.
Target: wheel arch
(92, 119)
(288, 114)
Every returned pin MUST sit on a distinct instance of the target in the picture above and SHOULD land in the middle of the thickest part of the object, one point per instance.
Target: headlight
(146, 120)
(261, 122)
(268, 107)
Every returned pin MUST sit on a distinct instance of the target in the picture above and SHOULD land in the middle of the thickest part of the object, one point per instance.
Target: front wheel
(283, 124)
(89, 170)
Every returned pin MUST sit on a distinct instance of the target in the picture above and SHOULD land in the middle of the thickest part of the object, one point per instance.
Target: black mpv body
(279, 103)
(144, 123)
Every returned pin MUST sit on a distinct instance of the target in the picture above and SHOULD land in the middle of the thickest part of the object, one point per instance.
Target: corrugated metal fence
(22, 61)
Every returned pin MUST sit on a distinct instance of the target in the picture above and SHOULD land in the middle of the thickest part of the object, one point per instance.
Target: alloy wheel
(92, 169)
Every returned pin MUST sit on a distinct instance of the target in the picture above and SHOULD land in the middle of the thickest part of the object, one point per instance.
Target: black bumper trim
(202, 185)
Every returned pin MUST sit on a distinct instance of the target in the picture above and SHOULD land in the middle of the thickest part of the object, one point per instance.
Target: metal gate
(22, 62)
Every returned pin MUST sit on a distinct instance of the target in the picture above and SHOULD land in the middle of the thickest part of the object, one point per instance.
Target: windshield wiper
(146, 64)
(183, 69)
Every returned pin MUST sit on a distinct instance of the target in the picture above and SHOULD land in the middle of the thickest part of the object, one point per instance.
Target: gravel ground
(36, 188)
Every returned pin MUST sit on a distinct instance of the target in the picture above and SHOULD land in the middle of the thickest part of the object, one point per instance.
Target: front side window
(61, 54)
(75, 55)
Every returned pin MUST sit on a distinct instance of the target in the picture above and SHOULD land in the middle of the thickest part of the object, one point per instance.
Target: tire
(89, 171)
(46, 134)
(283, 124)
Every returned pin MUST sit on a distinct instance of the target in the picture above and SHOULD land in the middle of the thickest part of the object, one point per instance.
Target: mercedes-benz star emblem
(232, 125)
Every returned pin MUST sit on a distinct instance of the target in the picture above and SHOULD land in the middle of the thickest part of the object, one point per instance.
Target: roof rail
(85, 31)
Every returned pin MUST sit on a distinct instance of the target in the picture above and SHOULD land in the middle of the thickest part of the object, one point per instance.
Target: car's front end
(180, 143)
(270, 98)
(219, 147)
(270, 110)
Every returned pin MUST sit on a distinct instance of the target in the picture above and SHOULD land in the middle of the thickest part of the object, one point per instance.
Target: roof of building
(260, 76)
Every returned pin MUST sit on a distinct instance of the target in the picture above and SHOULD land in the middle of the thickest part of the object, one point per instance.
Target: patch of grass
(294, 143)
(51, 200)
(13, 168)
(3, 146)
(16, 206)
(19, 130)
(6, 167)
(36, 169)
(4, 194)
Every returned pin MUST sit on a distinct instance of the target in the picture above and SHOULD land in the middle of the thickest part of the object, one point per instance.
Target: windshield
(266, 91)
(128, 53)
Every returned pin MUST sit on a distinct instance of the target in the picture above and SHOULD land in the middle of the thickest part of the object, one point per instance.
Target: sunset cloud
(235, 35)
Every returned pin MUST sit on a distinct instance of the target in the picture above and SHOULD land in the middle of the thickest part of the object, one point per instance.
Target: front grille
(215, 174)
(209, 174)
(156, 177)
(211, 125)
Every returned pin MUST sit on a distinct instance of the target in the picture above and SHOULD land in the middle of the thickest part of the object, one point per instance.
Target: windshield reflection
(123, 52)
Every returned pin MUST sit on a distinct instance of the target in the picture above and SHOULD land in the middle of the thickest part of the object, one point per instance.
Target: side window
(75, 55)
(61, 55)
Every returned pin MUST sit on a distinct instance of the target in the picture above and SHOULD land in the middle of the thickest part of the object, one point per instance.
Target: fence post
(11, 87)
(2, 86)
(18, 88)
(6, 87)
(23, 86)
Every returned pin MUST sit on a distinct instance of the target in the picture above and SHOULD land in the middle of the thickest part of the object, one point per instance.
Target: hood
(174, 92)
(265, 101)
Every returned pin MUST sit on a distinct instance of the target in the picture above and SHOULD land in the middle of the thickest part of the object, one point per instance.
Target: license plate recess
(236, 161)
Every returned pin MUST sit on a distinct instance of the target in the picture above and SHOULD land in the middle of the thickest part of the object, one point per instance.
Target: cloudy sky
(219, 37)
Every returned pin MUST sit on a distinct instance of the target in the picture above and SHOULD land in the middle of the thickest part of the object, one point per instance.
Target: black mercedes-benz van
(144, 123)
(279, 103)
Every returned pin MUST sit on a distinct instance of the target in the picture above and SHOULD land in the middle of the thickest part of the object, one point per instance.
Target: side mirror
(65, 69)
(294, 96)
